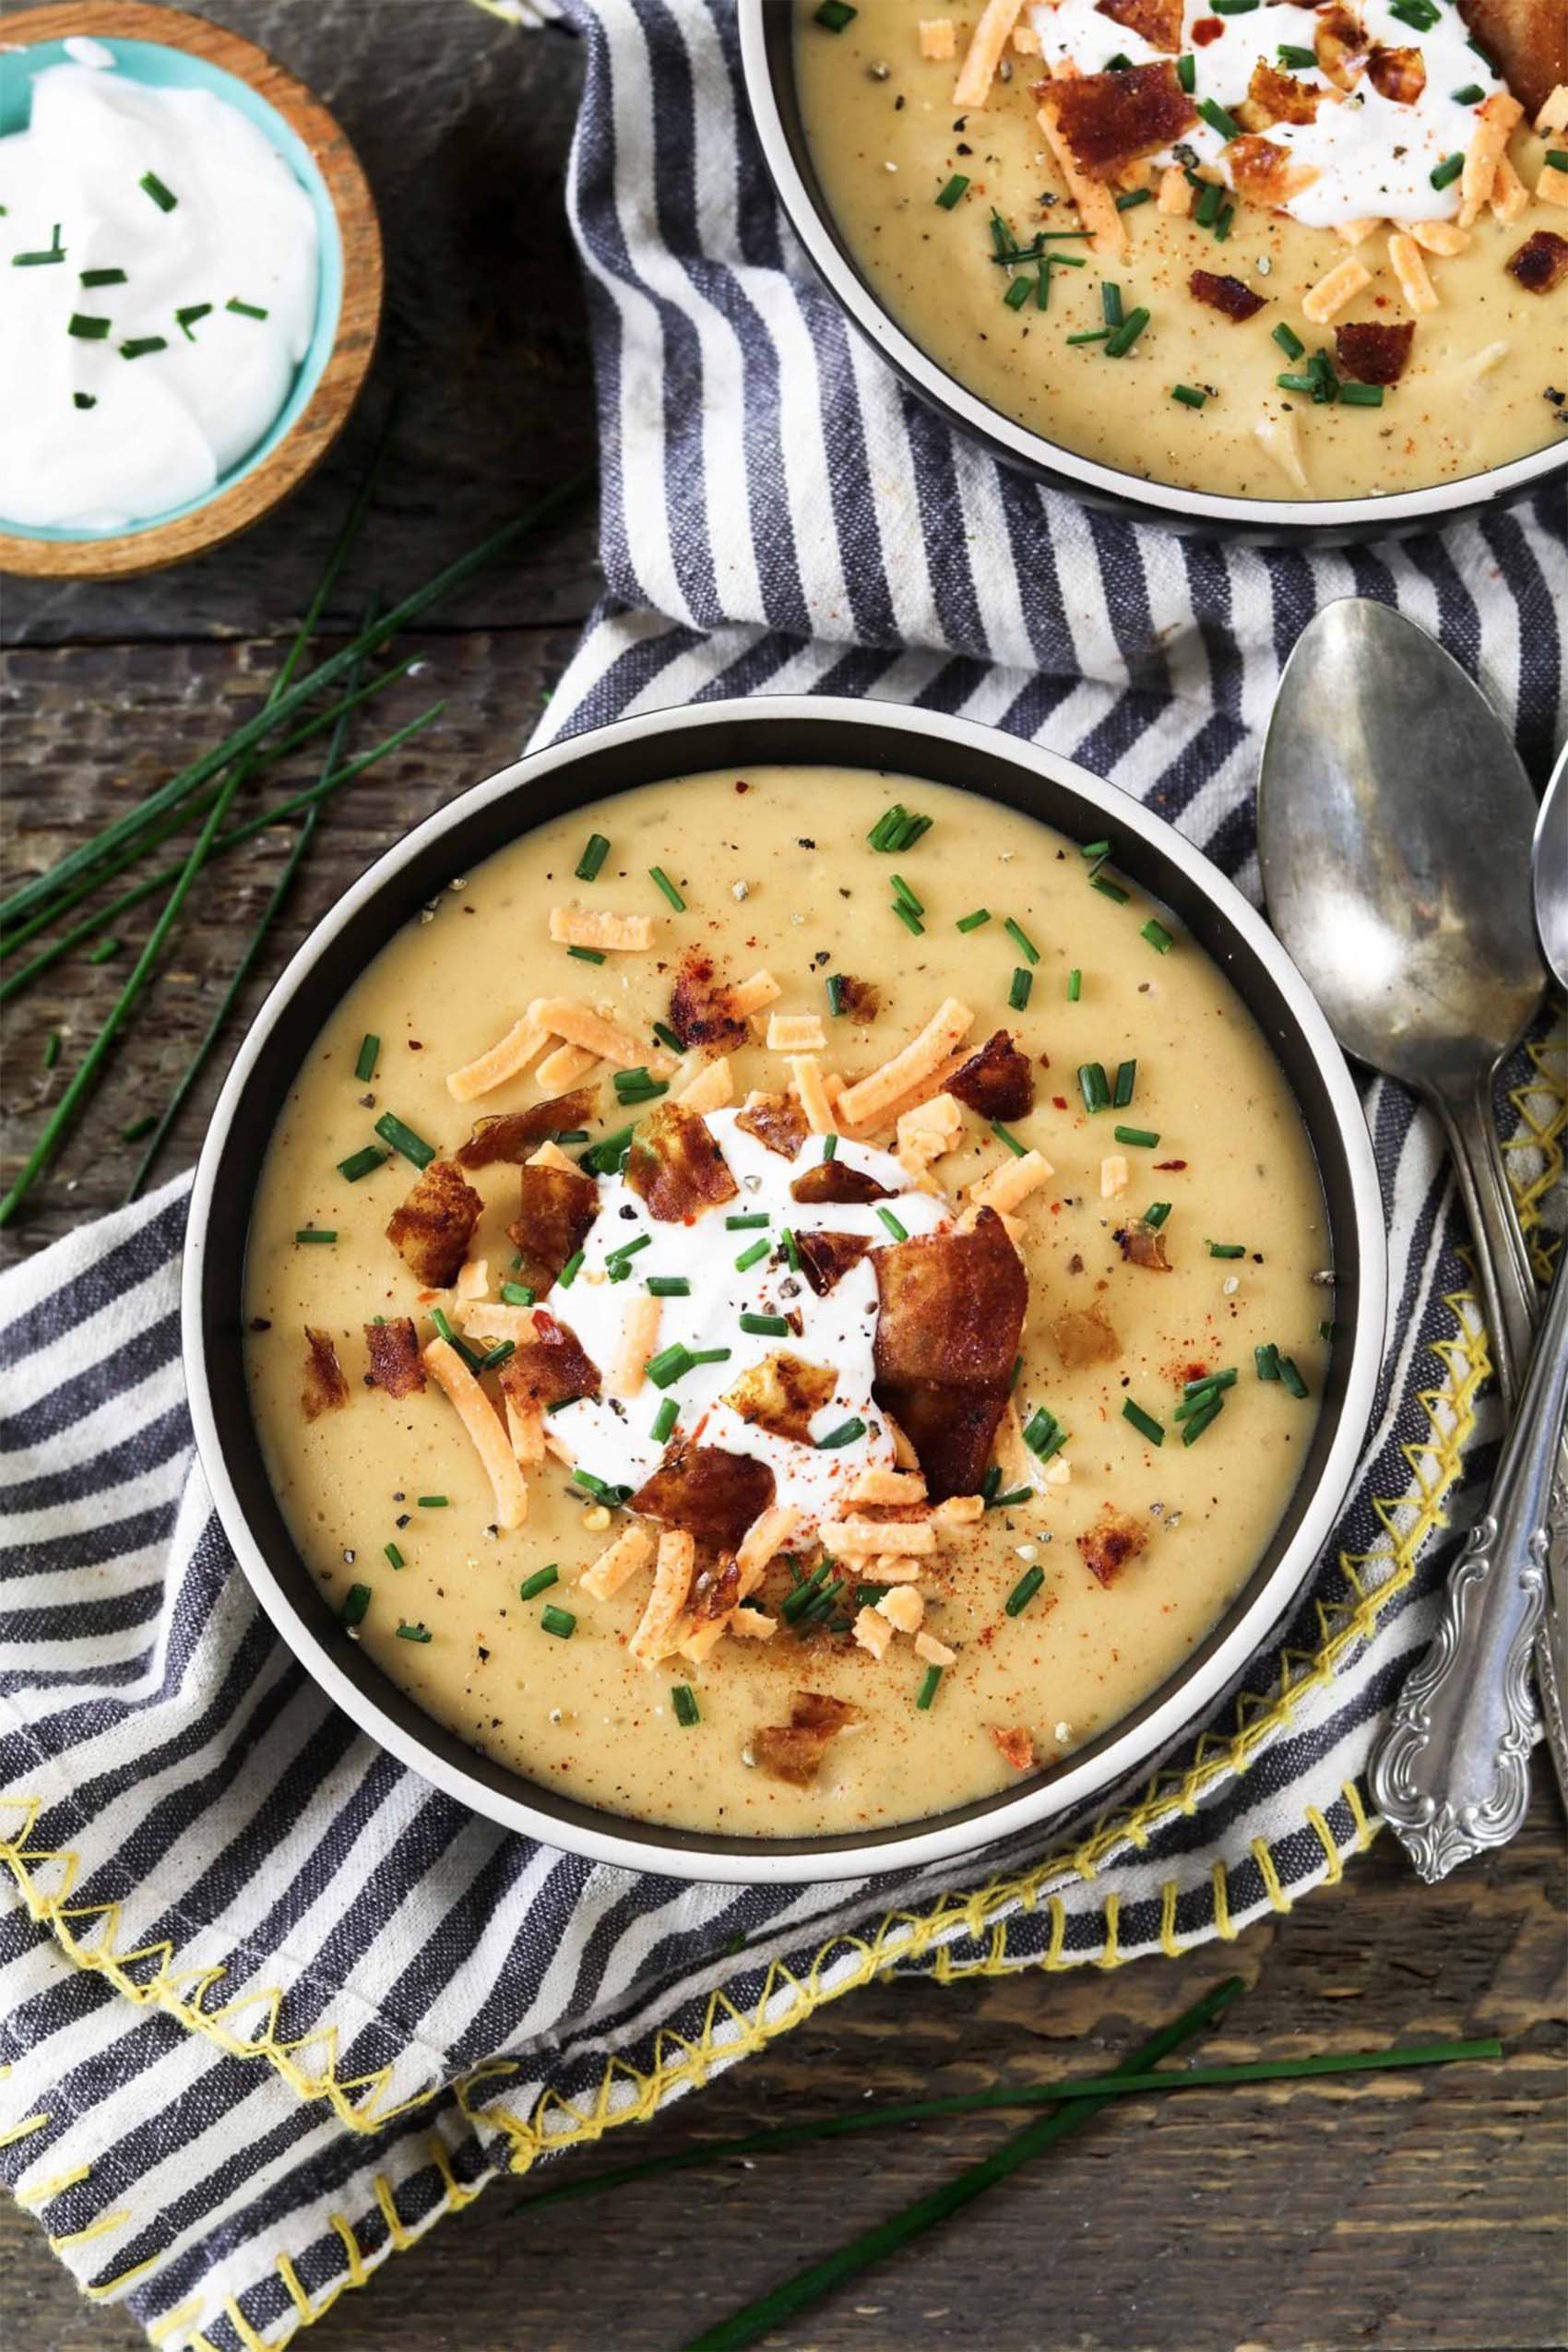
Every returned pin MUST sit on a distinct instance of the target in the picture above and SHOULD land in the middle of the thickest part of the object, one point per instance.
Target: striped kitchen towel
(269, 2004)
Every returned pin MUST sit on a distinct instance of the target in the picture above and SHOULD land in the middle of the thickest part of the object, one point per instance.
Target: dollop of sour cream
(615, 1440)
(1373, 157)
(159, 278)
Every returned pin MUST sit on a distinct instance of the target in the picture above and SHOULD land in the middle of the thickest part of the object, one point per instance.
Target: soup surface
(1444, 343)
(938, 1326)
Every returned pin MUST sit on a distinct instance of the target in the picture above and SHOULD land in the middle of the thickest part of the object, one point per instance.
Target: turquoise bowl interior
(166, 69)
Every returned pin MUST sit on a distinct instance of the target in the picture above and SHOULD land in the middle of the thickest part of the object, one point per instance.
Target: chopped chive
(1018, 293)
(1108, 889)
(1211, 195)
(928, 1689)
(1132, 198)
(52, 1049)
(1037, 1428)
(1472, 95)
(901, 890)
(595, 851)
(318, 1233)
(370, 1047)
(558, 1621)
(684, 1699)
(1557, 157)
(1120, 63)
(187, 317)
(1024, 1591)
(899, 1231)
(1297, 383)
(1021, 940)
(667, 1035)
(668, 1286)
(1127, 334)
(600, 1158)
(630, 1249)
(909, 918)
(1228, 1249)
(392, 1130)
(1214, 114)
(748, 1221)
(1144, 1139)
(1288, 340)
(834, 15)
(361, 1162)
(953, 191)
(1296, 59)
(1205, 1414)
(356, 1600)
(140, 346)
(433, 1502)
(1011, 1500)
(751, 1256)
(1157, 1212)
(1094, 1086)
(83, 400)
(764, 1326)
(791, 1252)
(88, 329)
(56, 252)
(1442, 174)
(1157, 936)
(1075, 985)
(1222, 221)
(1267, 1361)
(1023, 981)
(1144, 1424)
(1126, 1079)
(662, 881)
(539, 1582)
(973, 921)
(1005, 1135)
(1093, 335)
(1111, 303)
(1187, 72)
(517, 1294)
(664, 1421)
(571, 1135)
(393, 1554)
(498, 1355)
(845, 1434)
(445, 1331)
(711, 1355)
(100, 277)
(1291, 1378)
(1096, 850)
(836, 992)
(587, 955)
(1189, 395)
(1226, 1379)
(144, 1126)
(570, 1271)
(671, 1364)
(1361, 396)
(991, 1485)
(164, 198)
(829, 1147)
(106, 949)
(807, 1591)
(413, 1633)
(244, 309)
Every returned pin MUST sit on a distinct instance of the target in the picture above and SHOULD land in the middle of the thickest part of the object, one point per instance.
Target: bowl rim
(893, 736)
(227, 511)
(1004, 436)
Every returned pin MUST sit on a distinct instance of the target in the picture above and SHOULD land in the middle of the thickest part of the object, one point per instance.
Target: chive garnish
(1472, 95)
(1211, 195)
(1157, 1212)
(899, 1231)
(1159, 938)
(164, 198)
(1018, 293)
(1024, 1591)
(1111, 303)
(748, 1220)
(1442, 174)
(1094, 335)
(1095, 852)
(570, 1271)
(764, 1326)
(990, 1484)
(539, 1582)
(1266, 1359)
(1119, 344)
(711, 1355)
(671, 1364)
(600, 1158)
(834, 15)
(1075, 985)
(902, 891)
(667, 1035)
(558, 1621)
(433, 1502)
(517, 1294)
(629, 1249)
(361, 1162)
(1205, 1414)
(1187, 72)
(1018, 989)
(1126, 1079)
(1144, 1424)
(836, 992)
(1288, 341)
(1094, 1086)
(393, 1554)
(587, 955)
(413, 1633)
(1214, 114)
(1557, 158)
(897, 828)
(684, 1699)
(244, 309)
(83, 400)
(1361, 396)
(56, 252)
(909, 918)
(805, 1594)
(953, 191)
(1228, 1249)
(356, 1600)
(364, 1067)
(1021, 940)
(88, 330)
(1189, 395)
(1225, 1379)
(752, 1256)
(317, 1233)
(1296, 59)
(1005, 1135)
(972, 922)
(845, 1434)
(662, 880)
(928, 1689)
(1132, 198)
(1290, 1377)
(1108, 889)
(829, 1147)
(1144, 1139)
(498, 1355)
(100, 277)
(791, 1252)
(188, 317)
(664, 1421)
(594, 854)
(668, 1286)
(393, 1130)
(1010, 1501)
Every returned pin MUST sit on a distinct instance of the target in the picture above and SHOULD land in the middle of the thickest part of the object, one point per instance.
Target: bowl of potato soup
(1245, 263)
(784, 1290)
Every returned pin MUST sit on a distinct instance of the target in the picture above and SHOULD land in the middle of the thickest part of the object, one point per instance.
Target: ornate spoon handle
(1451, 1774)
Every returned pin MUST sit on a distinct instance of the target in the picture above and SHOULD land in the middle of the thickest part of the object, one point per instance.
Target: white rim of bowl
(986, 423)
(1196, 1689)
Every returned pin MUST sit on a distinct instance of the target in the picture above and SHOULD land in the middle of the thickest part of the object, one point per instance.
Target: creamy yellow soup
(1488, 366)
(386, 1497)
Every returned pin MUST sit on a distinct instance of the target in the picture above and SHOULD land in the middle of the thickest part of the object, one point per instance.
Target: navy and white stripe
(226, 1906)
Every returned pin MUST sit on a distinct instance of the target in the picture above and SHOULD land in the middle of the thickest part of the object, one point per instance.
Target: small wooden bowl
(349, 316)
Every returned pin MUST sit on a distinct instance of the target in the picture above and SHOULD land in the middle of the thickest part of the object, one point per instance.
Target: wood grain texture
(263, 486)
(1414, 2213)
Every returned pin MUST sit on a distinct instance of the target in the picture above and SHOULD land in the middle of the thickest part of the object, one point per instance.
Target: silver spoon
(1394, 820)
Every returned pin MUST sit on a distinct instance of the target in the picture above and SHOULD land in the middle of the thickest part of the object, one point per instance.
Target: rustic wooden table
(1413, 2211)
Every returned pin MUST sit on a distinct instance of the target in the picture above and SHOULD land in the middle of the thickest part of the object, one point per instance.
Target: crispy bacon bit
(830, 1183)
(1341, 42)
(998, 1081)
(1373, 353)
(1109, 120)
(952, 1308)
(675, 1166)
(778, 1122)
(1224, 295)
(512, 1135)
(793, 1751)
(1542, 263)
(783, 1393)
(1085, 1337)
(715, 1591)
(550, 1369)
(395, 1362)
(826, 1258)
(1159, 22)
(711, 1495)
(556, 1207)
(1015, 1744)
(1398, 75)
(325, 1387)
(431, 1230)
(860, 999)
(701, 1012)
(1144, 1245)
(1280, 97)
(1109, 1545)
(1262, 171)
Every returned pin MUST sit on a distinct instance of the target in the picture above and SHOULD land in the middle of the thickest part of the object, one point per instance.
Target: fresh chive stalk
(539, 1582)
(684, 1700)
(1144, 1424)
